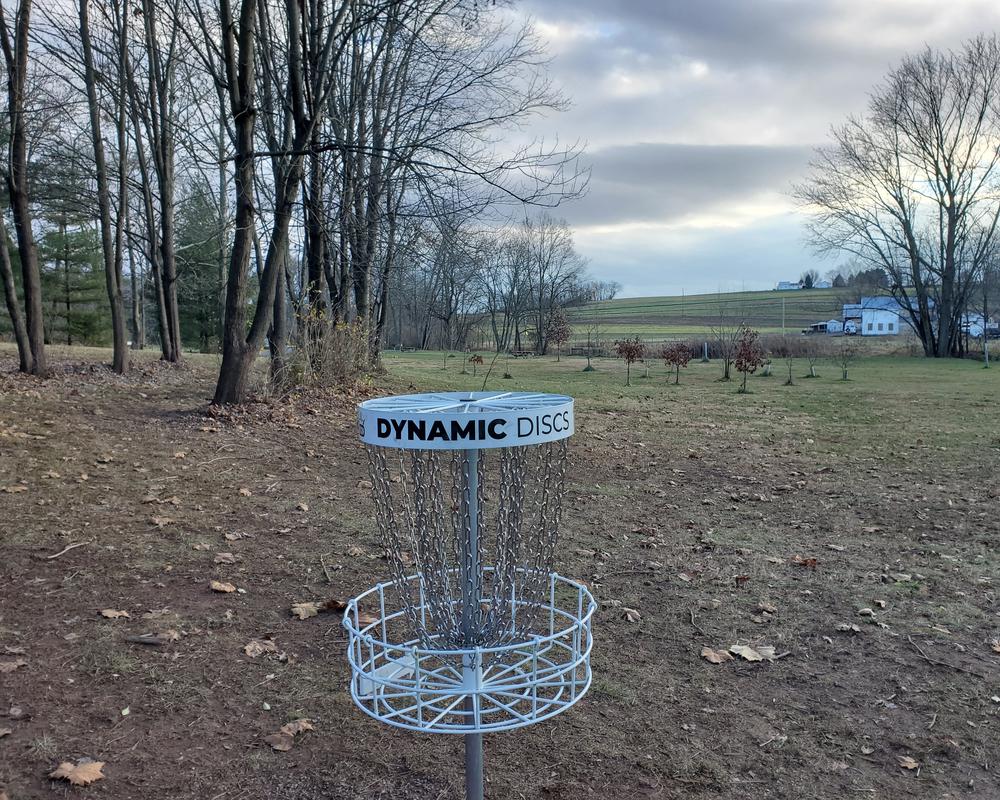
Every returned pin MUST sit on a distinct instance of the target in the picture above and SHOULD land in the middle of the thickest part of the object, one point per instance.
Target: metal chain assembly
(428, 503)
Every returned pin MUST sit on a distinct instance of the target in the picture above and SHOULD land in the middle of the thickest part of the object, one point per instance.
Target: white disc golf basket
(474, 632)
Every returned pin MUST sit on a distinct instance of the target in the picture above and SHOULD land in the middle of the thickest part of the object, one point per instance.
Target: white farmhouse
(877, 316)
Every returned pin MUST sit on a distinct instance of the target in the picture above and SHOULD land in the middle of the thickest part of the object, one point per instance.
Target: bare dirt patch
(871, 570)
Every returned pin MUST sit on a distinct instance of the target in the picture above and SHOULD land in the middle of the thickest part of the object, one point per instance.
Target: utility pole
(782, 316)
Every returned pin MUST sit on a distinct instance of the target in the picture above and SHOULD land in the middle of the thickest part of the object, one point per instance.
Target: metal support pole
(471, 670)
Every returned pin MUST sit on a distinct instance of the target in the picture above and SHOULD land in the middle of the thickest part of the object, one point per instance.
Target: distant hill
(656, 318)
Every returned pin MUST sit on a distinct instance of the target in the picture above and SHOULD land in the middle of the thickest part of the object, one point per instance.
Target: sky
(699, 116)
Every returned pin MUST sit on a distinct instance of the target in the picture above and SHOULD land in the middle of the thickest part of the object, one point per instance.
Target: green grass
(692, 315)
(881, 405)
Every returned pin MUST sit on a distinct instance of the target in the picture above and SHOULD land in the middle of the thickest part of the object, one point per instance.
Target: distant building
(975, 325)
(786, 286)
(823, 284)
(876, 316)
(830, 327)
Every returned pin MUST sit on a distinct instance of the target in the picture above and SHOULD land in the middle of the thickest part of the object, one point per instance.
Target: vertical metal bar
(470, 606)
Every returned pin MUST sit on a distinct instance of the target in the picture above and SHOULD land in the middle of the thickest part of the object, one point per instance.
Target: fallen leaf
(907, 762)
(305, 610)
(364, 484)
(354, 551)
(161, 522)
(366, 618)
(17, 487)
(5, 732)
(297, 726)
(225, 558)
(848, 627)
(245, 492)
(10, 666)
(82, 774)
(282, 742)
(110, 613)
(170, 635)
(180, 454)
(808, 563)
(200, 546)
(256, 647)
(302, 507)
(51, 474)
(715, 656)
(631, 615)
(995, 645)
(767, 608)
(759, 653)
(221, 586)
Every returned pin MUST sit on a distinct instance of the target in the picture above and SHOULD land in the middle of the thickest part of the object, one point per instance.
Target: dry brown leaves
(5, 732)
(225, 558)
(807, 563)
(283, 740)
(10, 666)
(761, 652)
(110, 613)
(908, 762)
(161, 522)
(221, 586)
(995, 645)
(256, 647)
(715, 656)
(631, 615)
(307, 609)
(82, 774)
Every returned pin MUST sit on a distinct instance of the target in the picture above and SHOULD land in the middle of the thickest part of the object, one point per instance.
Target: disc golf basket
(474, 632)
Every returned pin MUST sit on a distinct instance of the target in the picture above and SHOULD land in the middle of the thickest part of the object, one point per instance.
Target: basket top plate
(465, 420)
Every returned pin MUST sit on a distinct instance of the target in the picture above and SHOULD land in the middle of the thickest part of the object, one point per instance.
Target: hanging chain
(426, 511)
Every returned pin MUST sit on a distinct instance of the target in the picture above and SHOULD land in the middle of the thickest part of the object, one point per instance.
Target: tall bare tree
(911, 186)
(112, 238)
(31, 346)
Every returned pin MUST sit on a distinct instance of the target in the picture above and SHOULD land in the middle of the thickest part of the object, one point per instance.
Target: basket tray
(473, 690)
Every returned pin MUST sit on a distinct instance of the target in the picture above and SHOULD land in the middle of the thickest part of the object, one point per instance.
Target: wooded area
(271, 171)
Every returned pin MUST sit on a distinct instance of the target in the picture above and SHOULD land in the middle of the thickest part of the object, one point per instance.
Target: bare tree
(909, 188)
(31, 345)
(727, 330)
(112, 235)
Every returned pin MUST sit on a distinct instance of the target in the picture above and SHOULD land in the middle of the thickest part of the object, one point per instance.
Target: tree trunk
(110, 239)
(16, 57)
(13, 303)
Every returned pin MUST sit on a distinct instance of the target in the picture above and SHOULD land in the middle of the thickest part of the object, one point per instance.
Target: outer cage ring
(472, 690)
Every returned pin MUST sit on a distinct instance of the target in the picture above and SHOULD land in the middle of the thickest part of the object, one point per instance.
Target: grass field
(851, 526)
(671, 317)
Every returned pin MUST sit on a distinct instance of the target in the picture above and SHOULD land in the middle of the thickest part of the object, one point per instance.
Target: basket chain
(517, 538)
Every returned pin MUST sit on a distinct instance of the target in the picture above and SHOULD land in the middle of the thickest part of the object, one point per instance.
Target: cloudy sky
(698, 117)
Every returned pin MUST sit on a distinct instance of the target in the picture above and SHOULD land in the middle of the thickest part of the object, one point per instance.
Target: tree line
(258, 173)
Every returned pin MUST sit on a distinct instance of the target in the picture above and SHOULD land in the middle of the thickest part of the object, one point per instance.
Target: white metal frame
(473, 690)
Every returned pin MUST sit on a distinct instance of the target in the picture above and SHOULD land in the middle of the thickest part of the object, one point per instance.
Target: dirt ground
(691, 507)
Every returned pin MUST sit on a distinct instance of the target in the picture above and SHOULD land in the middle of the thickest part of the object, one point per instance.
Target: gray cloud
(666, 182)
(694, 108)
